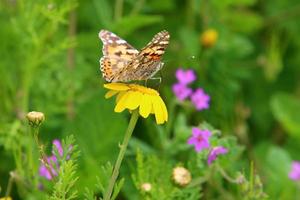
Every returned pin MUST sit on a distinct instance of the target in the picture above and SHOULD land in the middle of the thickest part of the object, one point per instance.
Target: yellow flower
(209, 37)
(6, 198)
(133, 96)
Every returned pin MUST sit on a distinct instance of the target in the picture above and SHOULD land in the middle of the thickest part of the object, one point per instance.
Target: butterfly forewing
(117, 53)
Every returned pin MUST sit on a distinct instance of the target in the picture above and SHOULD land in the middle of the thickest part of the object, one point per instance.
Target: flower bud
(181, 176)
(209, 38)
(35, 118)
(146, 187)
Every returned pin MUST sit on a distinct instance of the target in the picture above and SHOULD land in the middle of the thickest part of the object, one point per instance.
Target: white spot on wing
(121, 41)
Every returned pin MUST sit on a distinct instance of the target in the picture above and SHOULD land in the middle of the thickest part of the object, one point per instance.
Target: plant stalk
(9, 185)
(35, 132)
(118, 9)
(123, 147)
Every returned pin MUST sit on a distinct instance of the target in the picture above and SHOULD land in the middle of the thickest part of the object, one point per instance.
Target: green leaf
(286, 108)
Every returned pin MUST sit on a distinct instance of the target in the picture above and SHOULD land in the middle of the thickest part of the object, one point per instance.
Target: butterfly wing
(117, 53)
(156, 47)
(147, 61)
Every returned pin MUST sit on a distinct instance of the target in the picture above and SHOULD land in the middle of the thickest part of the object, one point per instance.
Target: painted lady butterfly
(122, 63)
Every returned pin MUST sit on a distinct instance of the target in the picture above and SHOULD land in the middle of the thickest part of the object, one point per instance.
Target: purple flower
(214, 152)
(43, 171)
(200, 139)
(58, 146)
(295, 171)
(200, 99)
(181, 91)
(52, 162)
(185, 76)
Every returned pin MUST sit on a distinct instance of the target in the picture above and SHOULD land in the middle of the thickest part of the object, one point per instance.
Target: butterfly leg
(157, 78)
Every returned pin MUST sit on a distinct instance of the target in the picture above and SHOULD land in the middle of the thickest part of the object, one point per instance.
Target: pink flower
(295, 171)
(200, 139)
(185, 77)
(214, 152)
(51, 162)
(181, 91)
(200, 99)
(58, 146)
(43, 171)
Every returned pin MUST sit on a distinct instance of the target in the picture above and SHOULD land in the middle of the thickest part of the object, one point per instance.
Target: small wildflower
(185, 77)
(181, 91)
(200, 99)
(35, 118)
(209, 38)
(214, 152)
(133, 96)
(295, 171)
(146, 187)
(200, 139)
(43, 171)
(52, 161)
(58, 146)
(181, 176)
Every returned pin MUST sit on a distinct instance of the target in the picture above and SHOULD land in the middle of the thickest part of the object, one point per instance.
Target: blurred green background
(50, 54)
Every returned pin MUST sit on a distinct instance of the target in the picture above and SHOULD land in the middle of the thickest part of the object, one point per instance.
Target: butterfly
(123, 63)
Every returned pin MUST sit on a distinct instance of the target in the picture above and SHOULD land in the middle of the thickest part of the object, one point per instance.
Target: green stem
(9, 185)
(118, 9)
(171, 118)
(225, 175)
(123, 147)
(43, 156)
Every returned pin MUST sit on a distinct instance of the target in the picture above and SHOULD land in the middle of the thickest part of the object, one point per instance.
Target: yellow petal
(6, 198)
(119, 96)
(110, 93)
(164, 109)
(122, 103)
(117, 86)
(145, 105)
(159, 114)
(133, 100)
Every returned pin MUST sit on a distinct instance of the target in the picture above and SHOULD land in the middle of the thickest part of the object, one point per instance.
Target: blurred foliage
(50, 62)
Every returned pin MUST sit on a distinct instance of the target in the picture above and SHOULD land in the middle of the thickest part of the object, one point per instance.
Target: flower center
(199, 138)
(143, 89)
